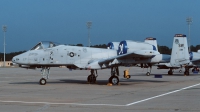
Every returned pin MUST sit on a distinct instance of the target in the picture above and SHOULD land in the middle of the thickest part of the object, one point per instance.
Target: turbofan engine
(128, 46)
(113, 45)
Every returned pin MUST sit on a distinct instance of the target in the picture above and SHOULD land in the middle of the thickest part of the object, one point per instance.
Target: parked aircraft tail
(152, 41)
(179, 55)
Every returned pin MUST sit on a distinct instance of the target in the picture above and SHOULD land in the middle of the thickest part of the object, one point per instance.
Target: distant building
(7, 63)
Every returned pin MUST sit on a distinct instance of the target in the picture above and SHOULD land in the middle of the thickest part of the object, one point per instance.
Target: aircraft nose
(19, 59)
(14, 59)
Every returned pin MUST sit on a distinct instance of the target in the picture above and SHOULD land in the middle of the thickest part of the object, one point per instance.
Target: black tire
(187, 73)
(192, 70)
(88, 78)
(148, 73)
(91, 79)
(114, 80)
(170, 72)
(43, 81)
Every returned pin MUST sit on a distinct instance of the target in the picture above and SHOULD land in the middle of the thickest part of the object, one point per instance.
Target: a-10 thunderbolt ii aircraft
(48, 54)
(180, 56)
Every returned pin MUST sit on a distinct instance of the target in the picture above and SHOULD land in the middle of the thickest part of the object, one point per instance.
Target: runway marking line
(81, 104)
(162, 94)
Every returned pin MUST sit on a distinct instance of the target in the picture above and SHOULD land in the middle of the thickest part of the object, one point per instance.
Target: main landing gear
(45, 75)
(114, 75)
(170, 72)
(195, 69)
(114, 80)
(147, 66)
(149, 70)
(187, 73)
(92, 77)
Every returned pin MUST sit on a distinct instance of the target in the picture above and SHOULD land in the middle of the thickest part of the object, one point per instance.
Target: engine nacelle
(151, 41)
(128, 46)
(194, 56)
(113, 45)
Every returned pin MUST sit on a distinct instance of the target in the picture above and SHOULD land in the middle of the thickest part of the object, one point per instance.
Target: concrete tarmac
(68, 91)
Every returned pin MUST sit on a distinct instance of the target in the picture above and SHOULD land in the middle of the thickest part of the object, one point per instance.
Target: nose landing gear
(43, 81)
(45, 75)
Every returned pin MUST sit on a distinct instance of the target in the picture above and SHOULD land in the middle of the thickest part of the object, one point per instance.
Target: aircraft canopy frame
(44, 45)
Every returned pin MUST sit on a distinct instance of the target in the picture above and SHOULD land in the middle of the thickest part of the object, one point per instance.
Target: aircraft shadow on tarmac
(104, 82)
(24, 83)
(123, 81)
(98, 82)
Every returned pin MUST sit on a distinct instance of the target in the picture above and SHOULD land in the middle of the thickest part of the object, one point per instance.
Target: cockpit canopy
(45, 45)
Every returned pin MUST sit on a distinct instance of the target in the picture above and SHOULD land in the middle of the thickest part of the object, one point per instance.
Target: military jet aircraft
(49, 54)
(180, 56)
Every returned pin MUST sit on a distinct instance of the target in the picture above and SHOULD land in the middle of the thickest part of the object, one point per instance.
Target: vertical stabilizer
(152, 41)
(179, 55)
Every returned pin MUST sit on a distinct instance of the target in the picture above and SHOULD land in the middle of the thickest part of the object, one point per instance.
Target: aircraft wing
(102, 63)
(137, 54)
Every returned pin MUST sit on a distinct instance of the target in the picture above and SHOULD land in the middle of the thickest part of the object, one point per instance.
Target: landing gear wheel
(187, 73)
(148, 73)
(192, 70)
(43, 81)
(91, 79)
(170, 72)
(127, 76)
(114, 80)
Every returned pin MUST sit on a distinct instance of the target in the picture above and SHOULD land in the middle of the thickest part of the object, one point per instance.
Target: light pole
(89, 24)
(4, 43)
(189, 21)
